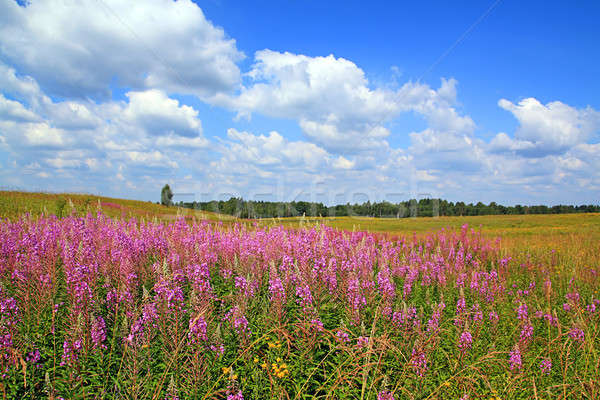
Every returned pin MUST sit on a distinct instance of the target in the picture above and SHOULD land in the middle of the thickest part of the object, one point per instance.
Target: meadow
(146, 302)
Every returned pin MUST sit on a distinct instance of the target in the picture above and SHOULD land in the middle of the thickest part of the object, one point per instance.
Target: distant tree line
(411, 208)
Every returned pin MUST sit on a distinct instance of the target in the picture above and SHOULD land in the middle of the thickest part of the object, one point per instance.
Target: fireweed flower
(276, 290)
(234, 394)
(546, 366)
(551, 319)
(247, 289)
(355, 298)
(461, 308)
(217, 349)
(70, 352)
(577, 335)
(306, 300)
(573, 297)
(141, 327)
(238, 321)
(515, 359)
(418, 361)
(363, 341)
(493, 317)
(385, 285)
(197, 331)
(477, 315)
(33, 357)
(342, 336)
(522, 312)
(465, 342)
(384, 395)
(98, 333)
(316, 325)
(526, 332)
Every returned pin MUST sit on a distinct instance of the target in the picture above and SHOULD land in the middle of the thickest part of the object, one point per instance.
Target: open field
(576, 237)
(109, 307)
(499, 225)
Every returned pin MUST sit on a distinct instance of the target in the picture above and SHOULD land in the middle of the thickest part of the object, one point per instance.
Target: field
(16, 204)
(137, 300)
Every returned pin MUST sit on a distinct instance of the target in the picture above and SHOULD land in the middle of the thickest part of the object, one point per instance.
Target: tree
(166, 195)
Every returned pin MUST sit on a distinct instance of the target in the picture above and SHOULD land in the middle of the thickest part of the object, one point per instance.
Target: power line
(461, 38)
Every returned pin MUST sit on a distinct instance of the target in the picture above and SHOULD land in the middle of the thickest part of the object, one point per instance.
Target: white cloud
(342, 162)
(546, 129)
(43, 135)
(331, 136)
(25, 87)
(15, 111)
(333, 102)
(150, 158)
(77, 49)
(182, 142)
(72, 115)
(272, 150)
(160, 115)
(294, 86)
(63, 163)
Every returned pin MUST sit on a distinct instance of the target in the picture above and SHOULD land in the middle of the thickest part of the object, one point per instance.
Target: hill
(14, 204)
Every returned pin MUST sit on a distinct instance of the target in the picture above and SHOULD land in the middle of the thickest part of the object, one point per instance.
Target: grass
(15, 204)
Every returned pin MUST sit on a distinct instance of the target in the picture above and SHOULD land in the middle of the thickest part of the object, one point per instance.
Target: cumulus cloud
(334, 103)
(78, 49)
(43, 135)
(546, 129)
(273, 151)
(160, 115)
(75, 139)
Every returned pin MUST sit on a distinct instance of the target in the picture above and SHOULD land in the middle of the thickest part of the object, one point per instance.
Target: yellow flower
(255, 359)
(446, 384)
(225, 370)
(271, 345)
(278, 359)
(234, 377)
(264, 365)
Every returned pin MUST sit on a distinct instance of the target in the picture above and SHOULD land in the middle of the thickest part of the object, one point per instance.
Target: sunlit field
(15, 204)
(106, 304)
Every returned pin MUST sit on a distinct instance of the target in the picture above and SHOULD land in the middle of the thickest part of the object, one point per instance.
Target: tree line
(411, 208)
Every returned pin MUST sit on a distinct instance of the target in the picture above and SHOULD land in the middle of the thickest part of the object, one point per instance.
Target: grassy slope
(15, 204)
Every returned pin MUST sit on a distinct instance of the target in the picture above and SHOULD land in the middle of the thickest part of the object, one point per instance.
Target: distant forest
(412, 208)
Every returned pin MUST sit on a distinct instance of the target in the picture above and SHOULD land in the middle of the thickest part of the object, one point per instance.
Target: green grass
(16, 204)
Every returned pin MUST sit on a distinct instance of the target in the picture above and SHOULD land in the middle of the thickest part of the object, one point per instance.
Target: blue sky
(332, 101)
